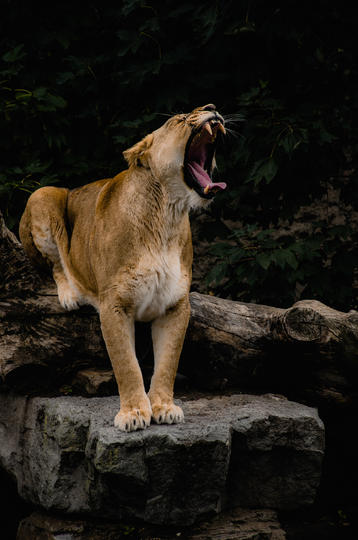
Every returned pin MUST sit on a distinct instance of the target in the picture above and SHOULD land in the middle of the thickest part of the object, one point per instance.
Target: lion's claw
(133, 419)
(167, 414)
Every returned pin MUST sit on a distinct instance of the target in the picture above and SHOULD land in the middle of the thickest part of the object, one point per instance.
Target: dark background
(80, 83)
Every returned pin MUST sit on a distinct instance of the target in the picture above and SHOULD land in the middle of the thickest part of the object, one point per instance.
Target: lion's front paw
(68, 298)
(167, 413)
(132, 419)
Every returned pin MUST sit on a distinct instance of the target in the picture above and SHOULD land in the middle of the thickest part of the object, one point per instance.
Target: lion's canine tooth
(206, 189)
(222, 129)
(208, 128)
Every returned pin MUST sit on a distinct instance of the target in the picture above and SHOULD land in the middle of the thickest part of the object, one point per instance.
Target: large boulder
(251, 451)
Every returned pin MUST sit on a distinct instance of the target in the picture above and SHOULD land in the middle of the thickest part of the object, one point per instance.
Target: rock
(252, 451)
(93, 382)
(241, 524)
(46, 527)
(235, 524)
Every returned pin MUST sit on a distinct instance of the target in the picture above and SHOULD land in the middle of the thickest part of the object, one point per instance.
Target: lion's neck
(156, 212)
(182, 199)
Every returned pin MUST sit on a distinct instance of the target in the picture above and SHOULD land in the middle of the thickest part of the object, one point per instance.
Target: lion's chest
(161, 286)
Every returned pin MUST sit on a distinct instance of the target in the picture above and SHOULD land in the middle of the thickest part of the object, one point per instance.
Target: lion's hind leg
(44, 236)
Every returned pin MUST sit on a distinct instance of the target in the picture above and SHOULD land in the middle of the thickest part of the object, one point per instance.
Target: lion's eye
(209, 107)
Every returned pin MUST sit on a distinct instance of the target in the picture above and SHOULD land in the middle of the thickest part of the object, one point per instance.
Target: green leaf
(48, 102)
(22, 94)
(217, 273)
(57, 102)
(14, 55)
(240, 271)
(264, 260)
(65, 77)
(237, 254)
(289, 143)
(263, 169)
(291, 259)
(269, 170)
(220, 249)
(280, 258)
(40, 93)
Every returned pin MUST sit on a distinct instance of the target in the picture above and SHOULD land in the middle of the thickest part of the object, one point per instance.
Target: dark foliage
(79, 83)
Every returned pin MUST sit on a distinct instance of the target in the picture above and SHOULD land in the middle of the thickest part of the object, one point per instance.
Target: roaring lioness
(124, 246)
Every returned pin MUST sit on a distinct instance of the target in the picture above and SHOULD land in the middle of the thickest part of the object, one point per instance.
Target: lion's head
(182, 152)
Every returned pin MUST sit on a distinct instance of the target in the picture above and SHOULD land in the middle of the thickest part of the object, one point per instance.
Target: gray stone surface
(42, 526)
(234, 524)
(255, 451)
(240, 524)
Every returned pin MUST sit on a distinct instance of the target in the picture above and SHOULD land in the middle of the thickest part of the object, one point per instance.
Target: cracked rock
(248, 451)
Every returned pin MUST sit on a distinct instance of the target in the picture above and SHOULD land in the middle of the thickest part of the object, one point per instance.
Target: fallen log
(306, 349)
(308, 346)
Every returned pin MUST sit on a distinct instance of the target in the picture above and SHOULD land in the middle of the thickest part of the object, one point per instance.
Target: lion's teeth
(206, 189)
(222, 129)
(208, 128)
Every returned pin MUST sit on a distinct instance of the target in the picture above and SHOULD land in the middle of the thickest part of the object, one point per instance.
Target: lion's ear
(137, 155)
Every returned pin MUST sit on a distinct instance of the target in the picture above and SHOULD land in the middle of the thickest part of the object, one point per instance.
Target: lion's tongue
(203, 178)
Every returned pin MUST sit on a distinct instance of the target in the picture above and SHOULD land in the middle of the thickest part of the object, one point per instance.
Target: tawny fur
(124, 246)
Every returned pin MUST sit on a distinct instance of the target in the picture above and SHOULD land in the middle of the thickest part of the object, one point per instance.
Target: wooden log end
(304, 323)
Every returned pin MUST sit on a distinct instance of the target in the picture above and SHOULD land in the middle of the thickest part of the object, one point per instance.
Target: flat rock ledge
(239, 450)
(233, 524)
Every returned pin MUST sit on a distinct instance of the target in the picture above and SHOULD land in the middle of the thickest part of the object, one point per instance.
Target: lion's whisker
(232, 133)
(163, 114)
(233, 118)
(168, 115)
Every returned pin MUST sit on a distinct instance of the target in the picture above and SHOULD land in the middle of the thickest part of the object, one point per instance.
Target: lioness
(124, 246)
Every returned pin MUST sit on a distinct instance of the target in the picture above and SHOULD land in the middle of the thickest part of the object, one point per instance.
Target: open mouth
(199, 156)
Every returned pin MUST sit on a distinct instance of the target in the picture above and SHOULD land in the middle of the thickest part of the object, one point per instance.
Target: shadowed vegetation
(80, 84)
